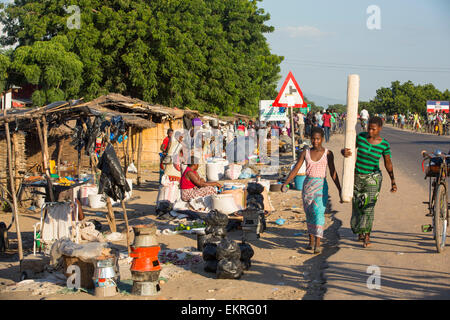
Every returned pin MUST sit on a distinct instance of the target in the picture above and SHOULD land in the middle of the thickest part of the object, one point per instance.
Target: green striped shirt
(368, 155)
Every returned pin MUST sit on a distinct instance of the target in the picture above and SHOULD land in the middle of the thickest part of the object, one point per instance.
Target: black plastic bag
(228, 249)
(92, 134)
(215, 218)
(217, 231)
(112, 180)
(229, 269)
(255, 188)
(257, 197)
(254, 204)
(211, 266)
(164, 206)
(246, 264)
(247, 251)
(209, 252)
(212, 238)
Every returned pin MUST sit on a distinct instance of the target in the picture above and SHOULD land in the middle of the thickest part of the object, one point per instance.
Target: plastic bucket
(224, 203)
(214, 171)
(85, 191)
(299, 180)
(96, 202)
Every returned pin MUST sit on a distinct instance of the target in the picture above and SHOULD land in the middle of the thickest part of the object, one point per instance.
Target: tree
(340, 108)
(49, 65)
(207, 55)
(4, 65)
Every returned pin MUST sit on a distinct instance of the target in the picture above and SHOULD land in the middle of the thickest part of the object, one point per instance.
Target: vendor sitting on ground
(192, 186)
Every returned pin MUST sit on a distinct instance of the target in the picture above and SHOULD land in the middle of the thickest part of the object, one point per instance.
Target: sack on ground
(211, 266)
(229, 269)
(217, 231)
(215, 218)
(255, 188)
(209, 252)
(228, 249)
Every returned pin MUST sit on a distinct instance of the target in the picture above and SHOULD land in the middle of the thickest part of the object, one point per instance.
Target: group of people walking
(432, 122)
(370, 148)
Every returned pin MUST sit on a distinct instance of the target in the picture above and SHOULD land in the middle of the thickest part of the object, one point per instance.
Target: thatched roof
(134, 112)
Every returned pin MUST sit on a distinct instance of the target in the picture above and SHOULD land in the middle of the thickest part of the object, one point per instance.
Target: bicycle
(437, 172)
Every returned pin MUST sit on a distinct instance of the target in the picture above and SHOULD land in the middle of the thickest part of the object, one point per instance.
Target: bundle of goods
(254, 221)
(216, 224)
(223, 256)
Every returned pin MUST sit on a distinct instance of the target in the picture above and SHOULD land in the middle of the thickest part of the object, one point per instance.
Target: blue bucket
(299, 182)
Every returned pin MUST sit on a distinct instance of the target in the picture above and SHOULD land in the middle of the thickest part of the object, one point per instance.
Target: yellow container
(52, 167)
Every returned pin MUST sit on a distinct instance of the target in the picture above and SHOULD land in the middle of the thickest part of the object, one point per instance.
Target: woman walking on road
(315, 187)
(370, 147)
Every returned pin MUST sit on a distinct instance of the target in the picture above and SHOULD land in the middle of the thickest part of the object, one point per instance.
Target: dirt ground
(281, 267)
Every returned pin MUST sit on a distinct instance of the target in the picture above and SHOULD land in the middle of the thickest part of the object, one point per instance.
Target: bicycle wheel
(6, 212)
(440, 217)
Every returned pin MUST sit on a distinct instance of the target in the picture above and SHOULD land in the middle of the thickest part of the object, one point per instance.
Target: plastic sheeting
(112, 180)
(87, 252)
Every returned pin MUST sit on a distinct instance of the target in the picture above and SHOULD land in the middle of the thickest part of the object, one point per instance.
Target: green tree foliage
(404, 97)
(208, 55)
(49, 65)
(340, 108)
(4, 65)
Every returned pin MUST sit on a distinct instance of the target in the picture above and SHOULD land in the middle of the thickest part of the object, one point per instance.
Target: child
(315, 187)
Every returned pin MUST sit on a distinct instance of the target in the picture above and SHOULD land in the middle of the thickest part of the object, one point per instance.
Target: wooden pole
(126, 224)
(13, 188)
(111, 217)
(16, 159)
(293, 134)
(45, 136)
(133, 147)
(139, 156)
(348, 177)
(44, 160)
(58, 158)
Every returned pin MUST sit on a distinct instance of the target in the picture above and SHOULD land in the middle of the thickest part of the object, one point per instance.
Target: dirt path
(407, 259)
(281, 268)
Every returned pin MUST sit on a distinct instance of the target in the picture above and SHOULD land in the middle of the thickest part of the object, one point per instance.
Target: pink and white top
(316, 169)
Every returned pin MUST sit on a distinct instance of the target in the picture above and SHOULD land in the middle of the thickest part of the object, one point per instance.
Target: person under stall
(192, 186)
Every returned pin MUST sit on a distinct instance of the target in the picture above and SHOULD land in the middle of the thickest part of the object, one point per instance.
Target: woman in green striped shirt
(370, 147)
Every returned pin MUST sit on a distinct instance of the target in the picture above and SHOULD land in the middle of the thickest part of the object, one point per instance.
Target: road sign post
(290, 96)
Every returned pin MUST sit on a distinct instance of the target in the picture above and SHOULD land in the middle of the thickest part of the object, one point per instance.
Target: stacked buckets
(105, 277)
(145, 268)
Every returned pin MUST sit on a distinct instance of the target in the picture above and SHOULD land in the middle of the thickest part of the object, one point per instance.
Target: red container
(145, 259)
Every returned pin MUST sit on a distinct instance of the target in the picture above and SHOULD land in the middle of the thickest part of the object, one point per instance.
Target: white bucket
(85, 191)
(224, 203)
(213, 171)
(96, 201)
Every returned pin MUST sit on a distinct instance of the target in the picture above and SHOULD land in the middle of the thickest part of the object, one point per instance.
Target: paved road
(406, 258)
(406, 150)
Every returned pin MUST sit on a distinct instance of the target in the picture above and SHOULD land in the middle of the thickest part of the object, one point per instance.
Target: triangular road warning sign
(290, 88)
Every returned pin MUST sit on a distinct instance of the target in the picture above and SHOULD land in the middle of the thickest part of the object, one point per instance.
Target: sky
(323, 41)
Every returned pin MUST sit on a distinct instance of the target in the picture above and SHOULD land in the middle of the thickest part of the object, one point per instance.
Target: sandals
(317, 250)
(309, 247)
(360, 237)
